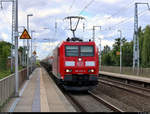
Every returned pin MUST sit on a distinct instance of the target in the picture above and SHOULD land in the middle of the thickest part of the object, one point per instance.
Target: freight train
(76, 64)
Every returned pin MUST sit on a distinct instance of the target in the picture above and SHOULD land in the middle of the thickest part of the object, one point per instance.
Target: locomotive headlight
(91, 70)
(90, 63)
(67, 70)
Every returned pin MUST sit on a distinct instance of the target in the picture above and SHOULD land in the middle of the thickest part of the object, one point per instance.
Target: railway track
(108, 104)
(131, 88)
(95, 102)
(89, 102)
(92, 103)
(123, 95)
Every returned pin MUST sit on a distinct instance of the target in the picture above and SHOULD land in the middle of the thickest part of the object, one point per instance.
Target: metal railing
(7, 88)
(7, 85)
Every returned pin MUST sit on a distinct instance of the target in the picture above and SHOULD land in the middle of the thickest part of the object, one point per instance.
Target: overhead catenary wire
(73, 2)
(130, 19)
(130, 4)
(6, 17)
(86, 6)
(125, 7)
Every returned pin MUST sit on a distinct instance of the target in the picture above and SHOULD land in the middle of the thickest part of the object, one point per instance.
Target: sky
(111, 15)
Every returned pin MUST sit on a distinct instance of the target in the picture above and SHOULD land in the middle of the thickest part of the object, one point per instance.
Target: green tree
(106, 59)
(106, 49)
(20, 49)
(146, 48)
(106, 56)
(5, 48)
(116, 48)
(127, 54)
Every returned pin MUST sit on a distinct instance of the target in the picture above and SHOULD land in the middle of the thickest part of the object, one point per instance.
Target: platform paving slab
(12, 100)
(58, 103)
(124, 76)
(26, 100)
(41, 95)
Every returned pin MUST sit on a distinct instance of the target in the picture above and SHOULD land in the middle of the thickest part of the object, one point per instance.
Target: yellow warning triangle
(34, 52)
(25, 35)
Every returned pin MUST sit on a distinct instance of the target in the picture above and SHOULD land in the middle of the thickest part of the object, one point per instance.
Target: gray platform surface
(42, 95)
(131, 77)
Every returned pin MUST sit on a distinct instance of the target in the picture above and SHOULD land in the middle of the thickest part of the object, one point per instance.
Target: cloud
(104, 41)
(41, 13)
(107, 42)
(45, 13)
(45, 48)
(4, 36)
(108, 1)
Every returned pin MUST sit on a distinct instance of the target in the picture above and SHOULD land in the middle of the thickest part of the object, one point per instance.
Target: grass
(38, 63)
(5, 73)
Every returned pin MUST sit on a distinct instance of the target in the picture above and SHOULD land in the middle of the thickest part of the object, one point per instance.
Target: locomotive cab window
(72, 50)
(86, 51)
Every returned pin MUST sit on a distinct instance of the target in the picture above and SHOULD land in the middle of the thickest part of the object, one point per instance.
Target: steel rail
(106, 103)
(111, 83)
(77, 103)
(137, 87)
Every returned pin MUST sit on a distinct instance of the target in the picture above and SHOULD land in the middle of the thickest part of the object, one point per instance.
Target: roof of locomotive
(76, 43)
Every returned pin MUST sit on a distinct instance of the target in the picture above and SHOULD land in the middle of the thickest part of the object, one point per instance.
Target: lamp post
(28, 46)
(120, 51)
(100, 61)
(32, 31)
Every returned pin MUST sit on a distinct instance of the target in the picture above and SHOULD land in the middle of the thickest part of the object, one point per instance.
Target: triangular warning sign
(34, 52)
(25, 35)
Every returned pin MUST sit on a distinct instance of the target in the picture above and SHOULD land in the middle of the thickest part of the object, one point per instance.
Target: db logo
(80, 64)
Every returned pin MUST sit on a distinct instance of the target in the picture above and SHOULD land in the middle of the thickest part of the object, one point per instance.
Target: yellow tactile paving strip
(51, 99)
(43, 95)
(56, 100)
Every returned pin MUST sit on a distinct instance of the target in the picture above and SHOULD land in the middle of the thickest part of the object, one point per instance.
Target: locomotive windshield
(79, 51)
(86, 51)
(72, 50)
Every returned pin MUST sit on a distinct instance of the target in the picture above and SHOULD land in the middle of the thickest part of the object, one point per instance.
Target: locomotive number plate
(80, 71)
(80, 64)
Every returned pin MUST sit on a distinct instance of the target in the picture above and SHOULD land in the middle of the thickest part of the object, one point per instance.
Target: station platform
(40, 94)
(124, 76)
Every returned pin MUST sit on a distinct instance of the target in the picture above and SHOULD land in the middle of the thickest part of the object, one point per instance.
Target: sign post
(25, 35)
(34, 57)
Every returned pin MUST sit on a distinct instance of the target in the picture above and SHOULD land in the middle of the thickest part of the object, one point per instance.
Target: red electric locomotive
(76, 64)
